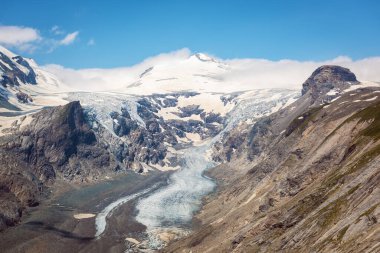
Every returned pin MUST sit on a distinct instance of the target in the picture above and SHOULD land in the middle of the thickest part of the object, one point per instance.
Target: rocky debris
(57, 143)
(23, 97)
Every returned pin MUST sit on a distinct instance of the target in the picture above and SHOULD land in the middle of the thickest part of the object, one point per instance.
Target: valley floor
(65, 222)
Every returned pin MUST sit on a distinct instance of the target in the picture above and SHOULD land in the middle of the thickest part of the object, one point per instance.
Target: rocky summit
(327, 78)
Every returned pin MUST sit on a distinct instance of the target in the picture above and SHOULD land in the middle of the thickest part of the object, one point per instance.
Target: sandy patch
(132, 240)
(371, 99)
(80, 216)
(166, 236)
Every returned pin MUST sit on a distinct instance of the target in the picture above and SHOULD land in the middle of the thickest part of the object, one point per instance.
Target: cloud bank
(19, 37)
(27, 39)
(292, 73)
(243, 74)
(115, 78)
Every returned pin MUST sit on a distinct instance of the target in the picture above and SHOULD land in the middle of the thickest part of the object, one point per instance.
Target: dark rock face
(11, 72)
(57, 143)
(326, 78)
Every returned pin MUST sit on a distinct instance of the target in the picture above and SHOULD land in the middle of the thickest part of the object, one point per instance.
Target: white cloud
(69, 38)
(114, 78)
(22, 38)
(91, 42)
(292, 73)
(27, 39)
(243, 74)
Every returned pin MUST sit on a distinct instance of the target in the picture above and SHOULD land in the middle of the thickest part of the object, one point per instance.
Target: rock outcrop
(56, 144)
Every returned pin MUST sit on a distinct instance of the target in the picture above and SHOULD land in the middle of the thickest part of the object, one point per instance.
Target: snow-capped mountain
(167, 107)
(24, 86)
(199, 72)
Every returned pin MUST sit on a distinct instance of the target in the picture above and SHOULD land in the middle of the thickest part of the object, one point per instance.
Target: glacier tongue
(175, 204)
(172, 207)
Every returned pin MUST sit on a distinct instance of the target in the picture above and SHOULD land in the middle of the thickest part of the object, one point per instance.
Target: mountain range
(296, 170)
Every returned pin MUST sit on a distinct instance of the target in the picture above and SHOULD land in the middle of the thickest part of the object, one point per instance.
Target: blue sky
(109, 34)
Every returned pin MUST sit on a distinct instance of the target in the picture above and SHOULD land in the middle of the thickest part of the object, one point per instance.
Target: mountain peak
(328, 77)
(203, 57)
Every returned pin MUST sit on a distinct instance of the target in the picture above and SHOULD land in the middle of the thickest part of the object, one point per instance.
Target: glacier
(173, 206)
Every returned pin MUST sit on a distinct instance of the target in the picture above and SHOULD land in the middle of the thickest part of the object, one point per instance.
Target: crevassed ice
(175, 204)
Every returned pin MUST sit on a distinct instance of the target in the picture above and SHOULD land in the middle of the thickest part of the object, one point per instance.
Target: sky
(109, 34)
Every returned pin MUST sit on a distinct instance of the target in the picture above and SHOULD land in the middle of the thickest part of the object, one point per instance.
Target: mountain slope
(304, 179)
